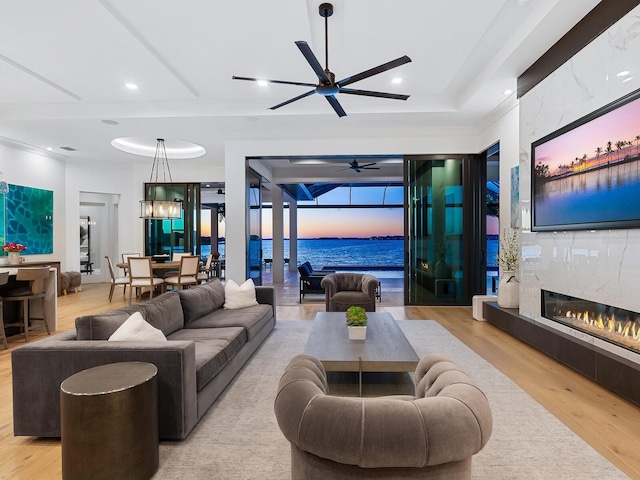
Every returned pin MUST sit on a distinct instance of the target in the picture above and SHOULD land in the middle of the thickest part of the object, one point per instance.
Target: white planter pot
(509, 291)
(357, 333)
(14, 258)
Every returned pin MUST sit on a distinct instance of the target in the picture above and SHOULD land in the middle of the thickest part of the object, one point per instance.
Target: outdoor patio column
(277, 213)
(293, 235)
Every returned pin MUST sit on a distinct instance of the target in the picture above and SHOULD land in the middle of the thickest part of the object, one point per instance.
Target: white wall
(601, 265)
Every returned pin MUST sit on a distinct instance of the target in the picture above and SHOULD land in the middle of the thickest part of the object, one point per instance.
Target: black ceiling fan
(355, 166)
(327, 86)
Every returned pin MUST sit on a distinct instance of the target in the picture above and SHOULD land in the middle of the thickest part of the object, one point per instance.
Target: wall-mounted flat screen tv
(587, 174)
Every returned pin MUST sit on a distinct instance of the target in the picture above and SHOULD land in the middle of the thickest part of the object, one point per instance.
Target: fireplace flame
(628, 329)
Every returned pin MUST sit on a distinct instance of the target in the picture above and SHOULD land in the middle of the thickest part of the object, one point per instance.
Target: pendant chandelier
(160, 202)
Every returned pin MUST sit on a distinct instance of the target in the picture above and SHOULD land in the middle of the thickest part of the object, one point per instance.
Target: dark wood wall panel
(603, 15)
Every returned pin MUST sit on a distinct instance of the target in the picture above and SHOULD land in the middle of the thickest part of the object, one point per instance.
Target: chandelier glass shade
(160, 202)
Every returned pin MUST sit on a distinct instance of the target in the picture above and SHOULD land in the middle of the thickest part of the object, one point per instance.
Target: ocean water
(387, 256)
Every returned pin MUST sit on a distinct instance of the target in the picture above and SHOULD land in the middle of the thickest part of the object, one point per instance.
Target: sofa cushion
(164, 312)
(102, 325)
(252, 319)
(214, 348)
(202, 299)
(135, 328)
(239, 296)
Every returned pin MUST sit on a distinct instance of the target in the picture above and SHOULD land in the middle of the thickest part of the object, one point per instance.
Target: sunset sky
(329, 222)
(620, 124)
(345, 222)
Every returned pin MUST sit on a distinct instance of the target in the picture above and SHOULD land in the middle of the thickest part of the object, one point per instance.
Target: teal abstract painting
(29, 218)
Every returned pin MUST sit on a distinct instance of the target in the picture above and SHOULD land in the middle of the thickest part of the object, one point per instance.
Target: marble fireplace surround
(602, 266)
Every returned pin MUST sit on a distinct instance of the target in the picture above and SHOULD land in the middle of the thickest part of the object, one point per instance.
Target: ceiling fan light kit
(327, 85)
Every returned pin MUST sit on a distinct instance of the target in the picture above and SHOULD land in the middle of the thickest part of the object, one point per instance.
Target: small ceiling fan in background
(327, 86)
(355, 166)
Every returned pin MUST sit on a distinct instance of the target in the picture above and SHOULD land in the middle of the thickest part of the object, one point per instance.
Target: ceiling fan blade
(310, 92)
(274, 81)
(371, 168)
(369, 93)
(336, 105)
(366, 165)
(313, 61)
(374, 71)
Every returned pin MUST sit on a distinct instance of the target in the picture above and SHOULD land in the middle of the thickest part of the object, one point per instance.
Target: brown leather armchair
(342, 290)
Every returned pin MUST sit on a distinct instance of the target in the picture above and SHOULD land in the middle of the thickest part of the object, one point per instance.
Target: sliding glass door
(443, 229)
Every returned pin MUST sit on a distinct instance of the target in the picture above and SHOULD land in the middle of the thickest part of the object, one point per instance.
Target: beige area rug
(240, 439)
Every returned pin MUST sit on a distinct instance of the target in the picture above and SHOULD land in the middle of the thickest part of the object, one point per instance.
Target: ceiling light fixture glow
(262, 83)
(624, 73)
(507, 92)
(146, 147)
(131, 86)
(396, 80)
(628, 79)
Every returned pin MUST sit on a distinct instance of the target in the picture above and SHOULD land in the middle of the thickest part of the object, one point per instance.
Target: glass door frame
(473, 178)
(189, 193)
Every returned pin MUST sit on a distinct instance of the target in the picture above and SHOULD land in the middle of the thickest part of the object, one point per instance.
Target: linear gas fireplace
(615, 325)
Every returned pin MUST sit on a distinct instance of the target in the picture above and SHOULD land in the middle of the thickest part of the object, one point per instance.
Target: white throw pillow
(239, 296)
(135, 328)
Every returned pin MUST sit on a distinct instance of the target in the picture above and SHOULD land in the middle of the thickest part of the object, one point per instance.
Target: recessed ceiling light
(131, 86)
(396, 80)
(507, 92)
(627, 79)
(262, 83)
(624, 73)
(50, 149)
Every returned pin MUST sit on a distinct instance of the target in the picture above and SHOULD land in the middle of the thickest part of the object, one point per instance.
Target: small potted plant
(356, 323)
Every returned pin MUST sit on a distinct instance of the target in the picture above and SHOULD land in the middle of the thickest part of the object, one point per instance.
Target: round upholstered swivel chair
(433, 434)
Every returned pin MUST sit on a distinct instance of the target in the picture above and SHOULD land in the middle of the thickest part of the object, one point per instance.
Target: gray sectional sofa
(207, 346)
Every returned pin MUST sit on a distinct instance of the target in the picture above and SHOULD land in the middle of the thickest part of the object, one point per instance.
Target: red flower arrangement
(13, 247)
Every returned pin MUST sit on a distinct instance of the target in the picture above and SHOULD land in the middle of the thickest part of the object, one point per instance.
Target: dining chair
(125, 257)
(178, 255)
(38, 280)
(122, 281)
(4, 278)
(141, 276)
(206, 272)
(188, 273)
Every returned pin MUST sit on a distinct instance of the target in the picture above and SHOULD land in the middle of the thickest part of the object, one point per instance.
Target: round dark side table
(109, 422)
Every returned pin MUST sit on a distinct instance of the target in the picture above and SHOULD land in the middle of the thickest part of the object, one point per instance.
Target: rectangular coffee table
(385, 350)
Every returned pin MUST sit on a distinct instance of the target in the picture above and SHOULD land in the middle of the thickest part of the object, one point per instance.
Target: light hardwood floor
(608, 423)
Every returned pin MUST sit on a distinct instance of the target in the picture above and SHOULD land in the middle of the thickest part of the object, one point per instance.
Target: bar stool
(38, 280)
(4, 278)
